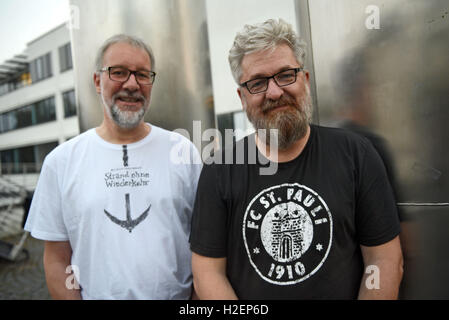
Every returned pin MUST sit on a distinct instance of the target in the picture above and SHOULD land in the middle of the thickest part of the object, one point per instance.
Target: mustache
(125, 94)
(282, 101)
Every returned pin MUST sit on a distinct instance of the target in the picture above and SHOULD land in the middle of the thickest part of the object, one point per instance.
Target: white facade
(54, 86)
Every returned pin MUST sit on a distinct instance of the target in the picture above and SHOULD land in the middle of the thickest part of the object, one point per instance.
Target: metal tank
(177, 32)
(381, 68)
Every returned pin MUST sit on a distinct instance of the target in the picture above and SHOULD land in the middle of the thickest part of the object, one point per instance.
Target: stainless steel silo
(382, 68)
(177, 32)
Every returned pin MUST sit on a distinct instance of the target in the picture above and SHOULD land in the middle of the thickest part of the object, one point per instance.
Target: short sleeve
(195, 165)
(377, 219)
(193, 169)
(209, 223)
(45, 220)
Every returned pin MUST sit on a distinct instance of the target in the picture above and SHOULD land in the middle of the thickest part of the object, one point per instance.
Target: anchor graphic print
(129, 224)
(131, 178)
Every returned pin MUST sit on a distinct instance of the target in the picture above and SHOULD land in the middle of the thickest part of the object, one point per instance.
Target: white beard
(124, 119)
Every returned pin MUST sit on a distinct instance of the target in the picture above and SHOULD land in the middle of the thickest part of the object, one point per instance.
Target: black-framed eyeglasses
(282, 79)
(121, 74)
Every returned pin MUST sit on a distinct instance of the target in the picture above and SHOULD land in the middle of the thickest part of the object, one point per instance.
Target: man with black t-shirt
(324, 225)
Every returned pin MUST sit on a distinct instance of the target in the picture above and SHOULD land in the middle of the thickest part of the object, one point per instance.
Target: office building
(37, 105)
(37, 112)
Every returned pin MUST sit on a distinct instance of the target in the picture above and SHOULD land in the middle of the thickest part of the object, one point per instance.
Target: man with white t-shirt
(111, 204)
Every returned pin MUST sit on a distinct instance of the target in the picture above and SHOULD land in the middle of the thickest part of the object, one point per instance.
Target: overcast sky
(22, 21)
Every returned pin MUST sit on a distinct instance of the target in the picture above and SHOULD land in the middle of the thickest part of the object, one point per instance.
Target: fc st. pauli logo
(287, 230)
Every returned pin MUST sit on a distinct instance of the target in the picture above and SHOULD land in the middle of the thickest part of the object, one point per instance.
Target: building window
(45, 110)
(65, 57)
(36, 113)
(15, 83)
(40, 68)
(69, 103)
(24, 117)
(9, 121)
(26, 159)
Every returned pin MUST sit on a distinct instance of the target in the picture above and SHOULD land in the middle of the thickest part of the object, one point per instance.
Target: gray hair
(263, 36)
(120, 38)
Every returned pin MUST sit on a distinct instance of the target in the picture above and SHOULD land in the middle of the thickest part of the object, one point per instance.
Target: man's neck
(283, 155)
(112, 133)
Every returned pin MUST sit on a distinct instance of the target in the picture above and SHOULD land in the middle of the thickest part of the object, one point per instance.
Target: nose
(274, 92)
(131, 84)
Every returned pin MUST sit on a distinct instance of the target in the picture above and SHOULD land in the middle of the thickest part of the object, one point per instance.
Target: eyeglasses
(282, 79)
(121, 74)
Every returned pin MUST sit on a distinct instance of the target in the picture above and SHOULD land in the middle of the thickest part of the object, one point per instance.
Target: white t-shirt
(126, 211)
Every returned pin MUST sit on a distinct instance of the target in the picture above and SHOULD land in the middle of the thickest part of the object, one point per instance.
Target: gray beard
(283, 130)
(285, 127)
(124, 119)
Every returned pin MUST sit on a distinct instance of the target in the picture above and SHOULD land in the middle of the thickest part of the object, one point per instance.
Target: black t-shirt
(296, 234)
